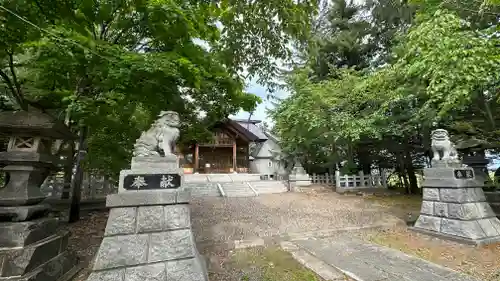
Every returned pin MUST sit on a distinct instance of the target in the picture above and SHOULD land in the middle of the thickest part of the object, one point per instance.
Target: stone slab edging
(277, 239)
(458, 239)
(445, 272)
(324, 270)
(221, 190)
(320, 267)
(253, 189)
(333, 269)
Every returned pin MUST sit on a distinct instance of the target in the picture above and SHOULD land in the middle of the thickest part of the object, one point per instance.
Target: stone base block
(44, 260)
(177, 270)
(149, 243)
(145, 219)
(454, 195)
(460, 211)
(479, 231)
(21, 234)
(475, 242)
(170, 162)
(300, 180)
(23, 213)
(62, 267)
(148, 198)
(303, 183)
(138, 249)
(20, 261)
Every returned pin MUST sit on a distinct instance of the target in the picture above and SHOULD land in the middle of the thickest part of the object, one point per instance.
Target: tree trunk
(426, 142)
(68, 171)
(402, 171)
(365, 161)
(410, 170)
(406, 183)
(74, 211)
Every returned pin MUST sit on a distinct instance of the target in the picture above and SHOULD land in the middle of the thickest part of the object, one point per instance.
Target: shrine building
(239, 146)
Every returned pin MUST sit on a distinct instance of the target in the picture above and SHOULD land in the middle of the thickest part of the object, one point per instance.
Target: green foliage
(443, 69)
(356, 35)
(112, 66)
(454, 63)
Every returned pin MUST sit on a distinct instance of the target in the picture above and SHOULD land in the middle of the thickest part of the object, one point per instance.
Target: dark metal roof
(254, 121)
(243, 131)
(272, 137)
(253, 128)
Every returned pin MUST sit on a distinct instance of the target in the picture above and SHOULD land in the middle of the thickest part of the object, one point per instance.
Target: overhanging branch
(14, 94)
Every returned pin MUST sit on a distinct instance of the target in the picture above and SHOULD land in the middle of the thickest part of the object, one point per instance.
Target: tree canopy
(441, 68)
(112, 66)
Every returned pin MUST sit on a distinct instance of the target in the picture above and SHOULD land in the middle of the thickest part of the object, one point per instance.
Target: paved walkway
(365, 262)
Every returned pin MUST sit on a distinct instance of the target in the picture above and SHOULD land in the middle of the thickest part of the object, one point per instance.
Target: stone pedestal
(148, 235)
(35, 251)
(454, 206)
(299, 177)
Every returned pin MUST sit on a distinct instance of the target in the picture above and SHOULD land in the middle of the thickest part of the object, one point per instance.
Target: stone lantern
(31, 247)
(473, 155)
(299, 177)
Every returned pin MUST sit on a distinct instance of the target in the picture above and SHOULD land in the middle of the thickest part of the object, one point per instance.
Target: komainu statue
(160, 139)
(442, 147)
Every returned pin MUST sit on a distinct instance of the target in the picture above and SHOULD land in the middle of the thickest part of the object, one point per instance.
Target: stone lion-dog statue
(160, 138)
(442, 147)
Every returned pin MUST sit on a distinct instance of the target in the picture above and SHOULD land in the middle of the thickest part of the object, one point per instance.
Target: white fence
(97, 187)
(93, 187)
(354, 182)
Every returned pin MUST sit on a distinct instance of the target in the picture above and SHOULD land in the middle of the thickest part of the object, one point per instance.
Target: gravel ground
(85, 239)
(216, 219)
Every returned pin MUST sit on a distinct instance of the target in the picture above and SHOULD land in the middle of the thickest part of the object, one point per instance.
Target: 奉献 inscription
(151, 181)
(463, 174)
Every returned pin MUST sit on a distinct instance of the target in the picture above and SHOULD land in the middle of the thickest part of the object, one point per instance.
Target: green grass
(405, 201)
(272, 264)
(398, 205)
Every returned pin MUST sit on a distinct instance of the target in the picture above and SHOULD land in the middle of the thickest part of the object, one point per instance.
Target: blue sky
(260, 112)
(254, 88)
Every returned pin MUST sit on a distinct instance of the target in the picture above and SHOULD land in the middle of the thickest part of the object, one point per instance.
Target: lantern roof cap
(33, 123)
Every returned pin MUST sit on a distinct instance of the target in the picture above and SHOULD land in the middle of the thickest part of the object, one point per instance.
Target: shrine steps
(237, 189)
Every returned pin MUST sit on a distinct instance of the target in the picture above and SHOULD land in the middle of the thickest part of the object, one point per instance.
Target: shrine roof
(253, 128)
